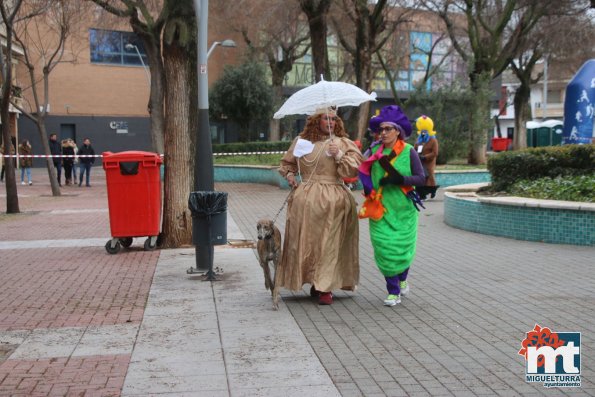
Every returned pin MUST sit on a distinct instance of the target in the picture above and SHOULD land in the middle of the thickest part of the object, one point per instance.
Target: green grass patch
(568, 188)
(251, 159)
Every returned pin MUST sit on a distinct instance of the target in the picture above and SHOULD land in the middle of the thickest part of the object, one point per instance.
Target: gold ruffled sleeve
(288, 162)
(349, 162)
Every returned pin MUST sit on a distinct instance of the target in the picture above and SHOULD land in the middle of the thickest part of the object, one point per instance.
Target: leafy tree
(374, 26)
(487, 35)
(273, 30)
(243, 95)
(448, 108)
(556, 46)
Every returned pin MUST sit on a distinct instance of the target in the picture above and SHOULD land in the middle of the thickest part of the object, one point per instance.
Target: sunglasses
(383, 129)
(330, 118)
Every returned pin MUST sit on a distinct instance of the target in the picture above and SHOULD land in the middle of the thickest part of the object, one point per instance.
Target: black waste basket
(209, 217)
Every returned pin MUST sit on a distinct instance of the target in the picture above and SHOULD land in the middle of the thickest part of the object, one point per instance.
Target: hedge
(506, 168)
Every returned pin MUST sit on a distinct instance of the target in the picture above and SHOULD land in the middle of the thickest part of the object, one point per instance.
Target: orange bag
(372, 208)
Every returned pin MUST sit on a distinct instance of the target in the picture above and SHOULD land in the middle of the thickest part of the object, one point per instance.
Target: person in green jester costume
(389, 176)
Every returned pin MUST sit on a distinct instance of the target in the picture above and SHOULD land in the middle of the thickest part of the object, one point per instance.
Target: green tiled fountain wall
(270, 176)
(549, 225)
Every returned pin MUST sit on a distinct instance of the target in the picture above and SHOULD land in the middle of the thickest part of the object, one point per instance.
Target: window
(109, 46)
(554, 96)
(419, 56)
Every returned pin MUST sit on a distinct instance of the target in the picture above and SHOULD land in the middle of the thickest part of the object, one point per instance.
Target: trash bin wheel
(126, 242)
(149, 246)
(110, 249)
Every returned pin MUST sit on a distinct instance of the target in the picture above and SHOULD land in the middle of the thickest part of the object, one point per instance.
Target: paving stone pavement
(77, 321)
(473, 298)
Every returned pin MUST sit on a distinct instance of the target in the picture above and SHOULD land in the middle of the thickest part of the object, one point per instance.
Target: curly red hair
(313, 133)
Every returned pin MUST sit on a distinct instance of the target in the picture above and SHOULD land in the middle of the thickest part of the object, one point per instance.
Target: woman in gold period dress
(321, 230)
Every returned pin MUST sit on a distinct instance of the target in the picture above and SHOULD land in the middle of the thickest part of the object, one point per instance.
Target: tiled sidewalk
(69, 312)
(68, 309)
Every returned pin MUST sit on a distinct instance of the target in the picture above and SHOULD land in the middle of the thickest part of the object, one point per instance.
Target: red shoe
(325, 298)
(314, 293)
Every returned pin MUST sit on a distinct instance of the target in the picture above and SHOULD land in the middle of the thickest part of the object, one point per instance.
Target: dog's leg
(265, 267)
(277, 282)
(268, 281)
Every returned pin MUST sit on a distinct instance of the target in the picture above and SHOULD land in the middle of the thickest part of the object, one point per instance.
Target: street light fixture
(129, 47)
(224, 43)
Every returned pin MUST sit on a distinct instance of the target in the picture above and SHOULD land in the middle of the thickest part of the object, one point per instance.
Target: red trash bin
(134, 197)
(500, 144)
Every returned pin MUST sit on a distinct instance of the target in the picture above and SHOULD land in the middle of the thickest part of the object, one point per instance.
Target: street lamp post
(224, 43)
(129, 47)
(203, 158)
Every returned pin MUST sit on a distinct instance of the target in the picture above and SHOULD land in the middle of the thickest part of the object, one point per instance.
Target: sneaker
(325, 298)
(404, 285)
(392, 300)
(30, 183)
(22, 182)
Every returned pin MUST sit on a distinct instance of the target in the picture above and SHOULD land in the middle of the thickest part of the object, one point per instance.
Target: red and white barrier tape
(248, 153)
(48, 156)
(99, 155)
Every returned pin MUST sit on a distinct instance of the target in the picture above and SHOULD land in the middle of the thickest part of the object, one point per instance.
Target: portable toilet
(544, 133)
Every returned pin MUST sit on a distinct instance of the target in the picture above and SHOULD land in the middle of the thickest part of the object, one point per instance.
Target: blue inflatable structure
(579, 106)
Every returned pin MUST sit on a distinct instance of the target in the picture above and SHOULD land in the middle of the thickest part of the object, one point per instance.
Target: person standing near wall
(25, 162)
(86, 156)
(56, 152)
(75, 163)
(68, 146)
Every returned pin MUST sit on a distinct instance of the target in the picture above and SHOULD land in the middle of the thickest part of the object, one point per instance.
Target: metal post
(203, 160)
(130, 46)
(203, 164)
(545, 78)
(144, 66)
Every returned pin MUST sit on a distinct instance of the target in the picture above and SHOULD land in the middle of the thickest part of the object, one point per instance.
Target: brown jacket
(429, 153)
(25, 162)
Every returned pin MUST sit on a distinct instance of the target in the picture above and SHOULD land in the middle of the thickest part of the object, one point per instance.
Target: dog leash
(282, 206)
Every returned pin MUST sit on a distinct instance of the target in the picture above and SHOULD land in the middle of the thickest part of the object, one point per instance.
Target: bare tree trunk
(317, 11)
(479, 118)
(362, 120)
(12, 197)
(521, 115)
(498, 127)
(155, 107)
(275, 130)
(364, 79)
(179, 163)
(275, 124)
